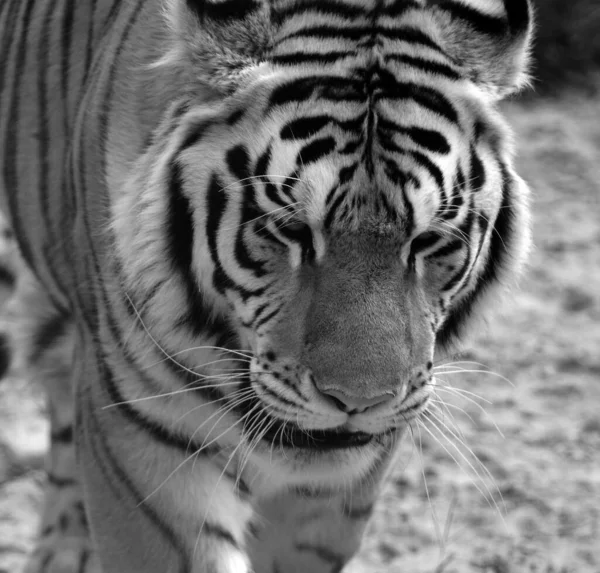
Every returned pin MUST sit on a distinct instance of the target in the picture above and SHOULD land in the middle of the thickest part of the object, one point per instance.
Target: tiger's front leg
(303, 533)
(316, 530)
(154, 506)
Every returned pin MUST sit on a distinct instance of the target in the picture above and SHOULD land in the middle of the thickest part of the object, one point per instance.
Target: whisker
(477, 404)
(460, 391)
(436, 521)
(487, 495)
(284, 208)
(488, 372)
(449, 405)
(175, 393)
(475, 457)
(445, 413)
(164, 352)
(195, 454)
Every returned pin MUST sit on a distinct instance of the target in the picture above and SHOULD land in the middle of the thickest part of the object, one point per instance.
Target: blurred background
(506, 477)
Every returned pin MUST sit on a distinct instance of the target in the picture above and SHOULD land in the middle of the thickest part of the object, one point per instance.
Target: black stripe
(477, 175)
(429, 139)
(400, 177)
(325, 32)
(90, 42)
(427, 66)
(3, 9)
(250, 212)
(238, 163)
(465, 233)
(266, 318)
(82, 193)
(196, 133)
(85, 557)
(399, 7)
(275, 393)
(412, 35)
(175, 368)
(222, 12)
(5, 354)
(325, 7)
(216, 204)
(43, 54)
(273, 194)
(332, 192)
(62, 435)
(288, 184)
(180, 239)
(61, 482)
(324, 553)
(447, 250)
(105, 459)
(106, 107)
(66, 35)
(48, 236)
(299, 58)
(333, 209)
(151, 427)
(235, 116)
(262, 165)
(435, 172)
(352, 145)
(264, 232)
(315, 150)
(358, 513)
(304, 127)
(11, 154)
(12, 548)
(345, 175)
(427, 97)
(482, 23)
(98, 280)
(500, 245)
(7, 277)
(301, 236)
(332, 88)
(9, 28)
(220, 533)
(420, 159)
(423, 242)
(519, 16)
(257, 313)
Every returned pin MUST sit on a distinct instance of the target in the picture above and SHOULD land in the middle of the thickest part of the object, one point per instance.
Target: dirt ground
(521, 493)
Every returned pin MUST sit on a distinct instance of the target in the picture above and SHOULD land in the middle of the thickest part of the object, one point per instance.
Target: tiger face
(347, 209)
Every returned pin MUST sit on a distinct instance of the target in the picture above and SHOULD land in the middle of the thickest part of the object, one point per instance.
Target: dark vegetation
(567, 47)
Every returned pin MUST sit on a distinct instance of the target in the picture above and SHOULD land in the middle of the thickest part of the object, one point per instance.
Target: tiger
(248, 230)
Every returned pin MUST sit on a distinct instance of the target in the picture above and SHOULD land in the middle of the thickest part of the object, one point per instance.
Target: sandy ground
(521, 493)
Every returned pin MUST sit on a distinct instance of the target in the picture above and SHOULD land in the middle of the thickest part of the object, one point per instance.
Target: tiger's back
(250, 226)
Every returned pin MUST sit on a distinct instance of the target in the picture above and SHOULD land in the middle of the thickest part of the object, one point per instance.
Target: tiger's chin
(315, 460)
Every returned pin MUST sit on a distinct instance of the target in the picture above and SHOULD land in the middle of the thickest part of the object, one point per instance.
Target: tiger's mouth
(288, 434)
(291, 435)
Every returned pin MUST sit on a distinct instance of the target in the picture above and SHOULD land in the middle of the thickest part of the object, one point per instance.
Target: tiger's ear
(490, 39)
(218, 40)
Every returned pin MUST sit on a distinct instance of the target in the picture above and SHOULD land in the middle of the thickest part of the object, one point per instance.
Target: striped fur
(253, 226)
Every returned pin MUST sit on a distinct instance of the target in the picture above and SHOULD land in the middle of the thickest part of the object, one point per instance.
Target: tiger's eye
(296, 227)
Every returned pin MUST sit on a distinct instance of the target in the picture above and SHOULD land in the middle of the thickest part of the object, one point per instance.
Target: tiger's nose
(356, 404)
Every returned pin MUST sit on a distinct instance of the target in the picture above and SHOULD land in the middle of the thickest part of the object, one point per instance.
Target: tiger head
(340, 196)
